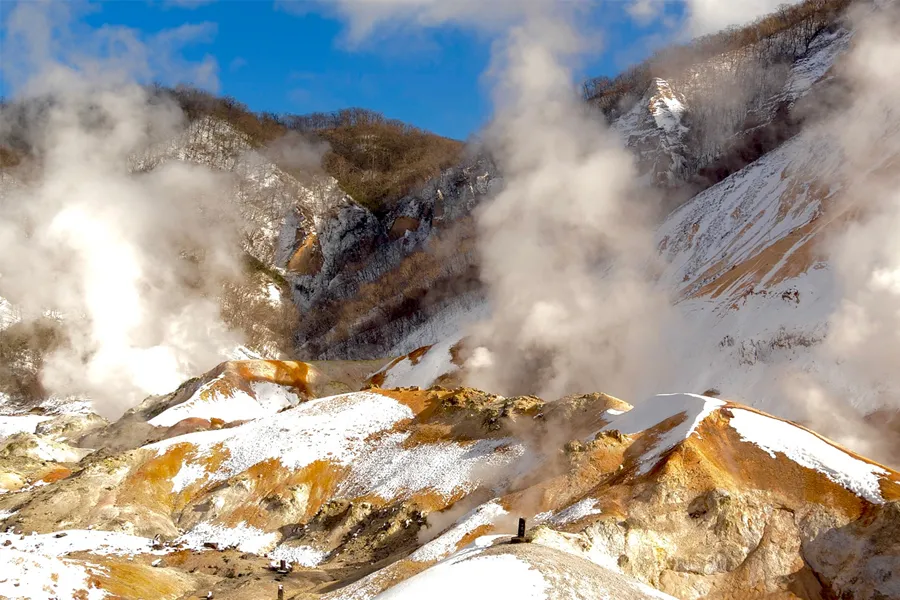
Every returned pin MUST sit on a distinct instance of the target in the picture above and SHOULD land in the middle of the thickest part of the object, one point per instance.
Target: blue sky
(291, 61)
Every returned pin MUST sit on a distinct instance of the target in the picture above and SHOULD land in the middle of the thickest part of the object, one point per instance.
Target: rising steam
(566, 250)
(863, 343)
(127, 261)
(865, 334)
(702, 17)
(566, 247)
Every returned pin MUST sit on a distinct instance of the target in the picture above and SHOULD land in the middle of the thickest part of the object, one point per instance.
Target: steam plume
(864, 335)
(566, 251)
(854, 370)
(709, 16)
(565, 247)
(128, 260)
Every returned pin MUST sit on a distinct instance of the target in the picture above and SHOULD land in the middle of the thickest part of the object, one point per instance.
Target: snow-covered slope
(526, 571)
(745, 259)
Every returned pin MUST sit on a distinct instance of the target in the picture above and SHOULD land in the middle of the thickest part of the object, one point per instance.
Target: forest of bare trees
(374, 158)
(730, 81)
(775, 38)
(377, 159)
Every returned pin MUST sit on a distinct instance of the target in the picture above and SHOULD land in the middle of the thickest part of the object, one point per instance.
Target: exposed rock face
(278, 209)
(655, 130)
(713, 118)
(383, 277)
(870, 545)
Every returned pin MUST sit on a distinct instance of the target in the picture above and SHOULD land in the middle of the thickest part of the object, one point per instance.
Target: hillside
(375, 160)
(692, 496)
(413, 291)
(335, 444)
(273, 209)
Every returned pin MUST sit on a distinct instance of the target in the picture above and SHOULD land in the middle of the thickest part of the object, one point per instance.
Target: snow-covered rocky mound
(683, 495)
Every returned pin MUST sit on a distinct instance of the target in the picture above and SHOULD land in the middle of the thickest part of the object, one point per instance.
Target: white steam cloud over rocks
(129, 261)
(864, 336)
(566, 249)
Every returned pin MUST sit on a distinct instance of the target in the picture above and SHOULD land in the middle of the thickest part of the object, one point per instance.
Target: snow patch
(234, 405)
(810, 451)
(243, 537)
(305, 556)
(102, 543)
(272, 396)
(5, 514)
(391, 470)
(437, 361)
(32, 576)
(576, 512)
(654, 411)
(19, 424)
(481, 577)
(273, 294)
(188, 474)
(666, 109)
(446, 544)
(333, 428)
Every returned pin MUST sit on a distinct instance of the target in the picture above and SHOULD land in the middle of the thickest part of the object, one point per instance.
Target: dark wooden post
(520, 538)
(280, 592)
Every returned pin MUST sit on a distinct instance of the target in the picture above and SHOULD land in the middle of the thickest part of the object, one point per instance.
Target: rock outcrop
(685, 495)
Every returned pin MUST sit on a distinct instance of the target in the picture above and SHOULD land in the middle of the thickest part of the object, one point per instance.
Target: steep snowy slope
(714, 116)
(746, 260)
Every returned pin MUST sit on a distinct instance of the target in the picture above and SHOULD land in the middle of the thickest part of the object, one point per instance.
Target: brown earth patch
(755, 268)
(136, 581)
(270, 480)
(307, 260)
(423, 403)
(150, 484)
(416, 355)
(401, 225)
(719, 455)
(890, 483)
(473, 535)
(292, 374)
(55, 474)
(185, 426)
(413, 357)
